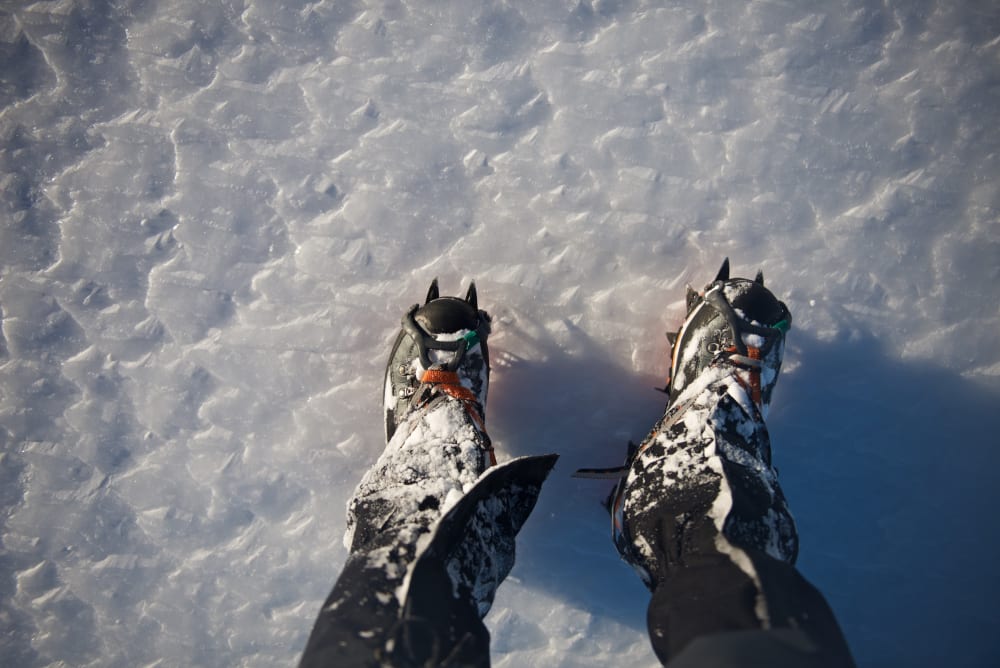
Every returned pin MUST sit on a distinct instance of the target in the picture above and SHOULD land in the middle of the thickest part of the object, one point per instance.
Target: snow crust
(214, 215)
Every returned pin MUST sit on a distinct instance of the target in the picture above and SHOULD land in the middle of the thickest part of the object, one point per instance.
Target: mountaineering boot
(431, 525)
(698, 511)
(446, 334)
(736, 323)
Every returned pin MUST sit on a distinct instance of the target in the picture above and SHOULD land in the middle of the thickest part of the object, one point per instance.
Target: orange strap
(754, 354)
(448, 382)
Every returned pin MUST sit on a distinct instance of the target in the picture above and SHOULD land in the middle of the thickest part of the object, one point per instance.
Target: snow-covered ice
(214, 215)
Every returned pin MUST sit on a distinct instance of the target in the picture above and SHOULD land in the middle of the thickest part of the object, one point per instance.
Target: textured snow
(214, 215)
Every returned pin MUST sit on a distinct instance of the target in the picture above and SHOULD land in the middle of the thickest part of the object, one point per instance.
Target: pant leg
(703, 520)
(431, 534)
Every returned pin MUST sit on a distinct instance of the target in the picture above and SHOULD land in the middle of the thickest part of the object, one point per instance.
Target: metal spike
(760, 277)
(632, 448)
(672, 338)
(471, 297)
(723, 274)
(433, 293)
(692, 298)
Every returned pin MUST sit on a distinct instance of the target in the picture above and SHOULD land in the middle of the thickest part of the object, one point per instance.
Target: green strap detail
(471, 339)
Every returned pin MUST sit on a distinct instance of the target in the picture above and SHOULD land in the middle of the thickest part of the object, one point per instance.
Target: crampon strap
(445, 381)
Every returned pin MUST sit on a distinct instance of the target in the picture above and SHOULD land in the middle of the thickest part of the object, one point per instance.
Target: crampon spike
(691, 298)
(723, 274)
(433, 293)
(471, 297)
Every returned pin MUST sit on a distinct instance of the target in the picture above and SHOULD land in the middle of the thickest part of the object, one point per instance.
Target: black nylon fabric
(707, 526)
(439, 623)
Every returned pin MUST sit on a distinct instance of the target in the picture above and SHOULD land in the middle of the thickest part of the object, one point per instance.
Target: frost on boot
(698, 511)
(707, 461)
(707, 464)
(431, 526)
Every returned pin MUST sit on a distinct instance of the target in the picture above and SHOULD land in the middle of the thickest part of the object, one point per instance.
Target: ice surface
(214, 215)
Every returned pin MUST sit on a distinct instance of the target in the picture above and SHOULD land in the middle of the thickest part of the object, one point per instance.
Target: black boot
(447, 334)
